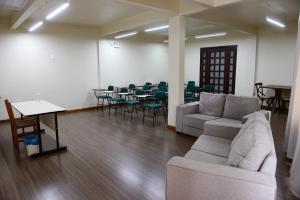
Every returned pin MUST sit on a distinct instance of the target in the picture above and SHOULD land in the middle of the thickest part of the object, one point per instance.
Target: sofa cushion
(251, 146)
(197, 120)
(213, 145)
(212, 104)
(205, 157)
(223, 127)
(237, 107)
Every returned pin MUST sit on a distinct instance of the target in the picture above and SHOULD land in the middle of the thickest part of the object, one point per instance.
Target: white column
(176, 66)
(295, 175)
(292, 127)
(292, 141)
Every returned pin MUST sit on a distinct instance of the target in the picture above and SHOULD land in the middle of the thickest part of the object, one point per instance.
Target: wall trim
(173, 128)
(64, 113)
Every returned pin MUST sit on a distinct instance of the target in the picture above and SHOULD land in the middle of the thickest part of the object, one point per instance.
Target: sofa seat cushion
(223, 127)
(205, 157)
(212, 104)
(197, 120)
(227, 122)
(213, 145)
(252, 145)
(237, 107)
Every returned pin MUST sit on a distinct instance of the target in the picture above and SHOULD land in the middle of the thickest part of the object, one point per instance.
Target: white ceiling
(253, 12)
(8, 8)
(92, 12)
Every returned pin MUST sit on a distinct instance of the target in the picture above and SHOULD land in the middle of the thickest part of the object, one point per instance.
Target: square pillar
(176, 66)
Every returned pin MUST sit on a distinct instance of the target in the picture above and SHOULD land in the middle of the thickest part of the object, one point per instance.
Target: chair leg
(109, 105)
(143, 115)
(132, 108)
(15, 141)
(165, 115)
(102, 106)
(153, 116)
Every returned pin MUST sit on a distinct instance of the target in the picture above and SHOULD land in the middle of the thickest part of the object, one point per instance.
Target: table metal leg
(56, 130)
(39, 133)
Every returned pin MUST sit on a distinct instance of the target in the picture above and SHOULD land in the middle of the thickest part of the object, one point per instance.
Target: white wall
(134, 62)
(276, 55)
(246, 55)
(60, 64)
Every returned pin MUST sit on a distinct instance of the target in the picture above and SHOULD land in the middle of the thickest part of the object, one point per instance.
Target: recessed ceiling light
(35, 26)
(275, 22)
(211, 35)
(157, 28)
(126, 35)
(57, 11)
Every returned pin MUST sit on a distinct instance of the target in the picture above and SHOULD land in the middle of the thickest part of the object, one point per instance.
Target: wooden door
(218, 68)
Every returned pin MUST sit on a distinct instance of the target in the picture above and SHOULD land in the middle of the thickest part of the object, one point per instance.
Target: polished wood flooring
(107, 158)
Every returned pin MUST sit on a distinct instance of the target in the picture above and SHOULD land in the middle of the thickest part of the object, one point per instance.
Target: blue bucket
(31, 140)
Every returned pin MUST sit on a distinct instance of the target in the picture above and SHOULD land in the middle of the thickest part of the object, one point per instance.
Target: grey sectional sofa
(226, 110)
(227, 163)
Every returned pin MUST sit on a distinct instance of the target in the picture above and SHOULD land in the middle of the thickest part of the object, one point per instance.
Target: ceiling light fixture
(211, 35)
(157, 28)
(57, 11)
(126, 35)
(275, 22)
(35, 26)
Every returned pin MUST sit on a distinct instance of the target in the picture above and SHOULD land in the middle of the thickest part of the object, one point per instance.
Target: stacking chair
(192, 95)
(116, 101)
(208, 88)
(131, 107)
(147, 89)
(101, 97)
(190, 85)
(162, 84)
(154, 105)
(17, 124)
(263, 97)
(132, 88)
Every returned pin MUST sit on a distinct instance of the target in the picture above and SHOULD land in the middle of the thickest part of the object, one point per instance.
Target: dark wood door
(218, 68)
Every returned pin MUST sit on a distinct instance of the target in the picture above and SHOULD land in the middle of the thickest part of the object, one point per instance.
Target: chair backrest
(140, 92)
(160, 95)
(163, 88)
(11, 115)
(146, 87)
(162, 84)
(131, 86)
(148, 83)
(124, 90)
(190, 84)
(208, 88)
(259, 89)
(110, 88)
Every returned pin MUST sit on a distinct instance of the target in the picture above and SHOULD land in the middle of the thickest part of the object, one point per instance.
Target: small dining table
(278, 93)
(38, 109)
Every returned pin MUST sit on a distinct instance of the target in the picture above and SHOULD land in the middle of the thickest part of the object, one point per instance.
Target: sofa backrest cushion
(252, 145)
(212, 104)
(237, 107)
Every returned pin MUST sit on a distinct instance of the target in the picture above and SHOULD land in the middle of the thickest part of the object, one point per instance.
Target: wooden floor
(107, 158)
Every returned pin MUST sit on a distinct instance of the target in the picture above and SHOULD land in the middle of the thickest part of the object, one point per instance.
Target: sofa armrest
(190, 180)
(267, 113)
(222, 129)
(182, 110)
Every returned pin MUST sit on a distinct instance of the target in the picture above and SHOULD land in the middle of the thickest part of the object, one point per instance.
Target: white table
(38, 108)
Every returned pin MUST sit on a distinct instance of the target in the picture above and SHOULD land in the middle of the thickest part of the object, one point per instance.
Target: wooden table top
(280, 87)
